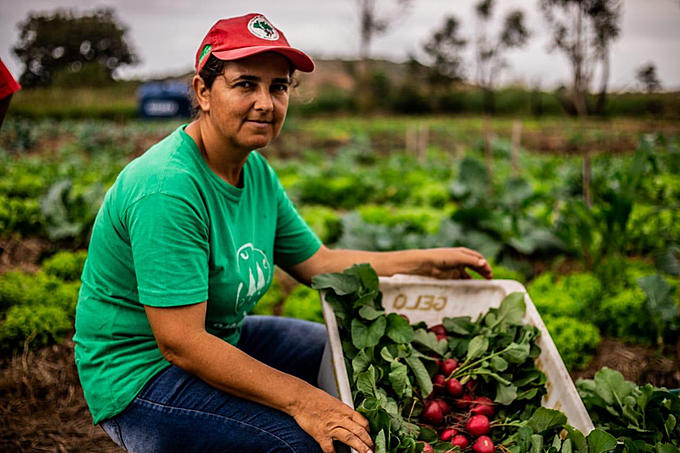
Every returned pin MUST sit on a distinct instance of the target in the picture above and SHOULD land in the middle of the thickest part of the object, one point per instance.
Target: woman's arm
(439, 262)
(184, 342)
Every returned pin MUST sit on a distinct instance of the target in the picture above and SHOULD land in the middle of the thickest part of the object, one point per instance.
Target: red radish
(454, 387)
(433, 413)
(427, 448)
(438, 329)
(448, 434)
(441, 337)
(460, 441)
(484, 406)
(483, 444)
(443, 405)
(439, 383)
(463, 402)
(471, 385)
(478, 425)
(448, 366)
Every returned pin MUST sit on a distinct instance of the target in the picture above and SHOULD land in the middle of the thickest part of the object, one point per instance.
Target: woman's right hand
(326, 419)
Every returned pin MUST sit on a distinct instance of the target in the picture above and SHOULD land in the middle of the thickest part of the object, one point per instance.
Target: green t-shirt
(170, 232)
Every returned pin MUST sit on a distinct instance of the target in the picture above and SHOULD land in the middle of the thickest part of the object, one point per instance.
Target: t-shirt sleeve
(170, 250)
(295, 240)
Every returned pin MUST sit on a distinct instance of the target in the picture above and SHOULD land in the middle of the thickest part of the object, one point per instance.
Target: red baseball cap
(240, 37)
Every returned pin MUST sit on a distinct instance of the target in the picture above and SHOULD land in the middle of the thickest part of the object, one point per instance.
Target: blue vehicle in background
(164, 99)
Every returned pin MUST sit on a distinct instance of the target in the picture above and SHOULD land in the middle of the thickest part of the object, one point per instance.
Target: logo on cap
(206, 50)
(262, 28)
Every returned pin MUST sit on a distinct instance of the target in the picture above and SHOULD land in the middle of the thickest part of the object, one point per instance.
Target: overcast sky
(166, 33)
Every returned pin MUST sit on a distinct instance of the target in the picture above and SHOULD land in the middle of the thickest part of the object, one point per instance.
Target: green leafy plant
(65, 265)
(575, 340)
(576, 295)
(643, 418)
(33, 326)
(624, 315)
(324, 221)
(392, 367)
(661, 305)
(25, 289)
(303, 303)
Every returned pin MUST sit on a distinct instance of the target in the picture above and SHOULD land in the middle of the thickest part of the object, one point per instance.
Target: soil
(22, 254)
(637, 363)
(42, 408)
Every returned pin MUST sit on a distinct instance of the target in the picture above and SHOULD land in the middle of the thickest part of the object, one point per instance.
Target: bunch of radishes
(453, 410)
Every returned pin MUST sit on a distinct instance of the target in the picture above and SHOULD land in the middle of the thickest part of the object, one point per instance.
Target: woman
(184, 245)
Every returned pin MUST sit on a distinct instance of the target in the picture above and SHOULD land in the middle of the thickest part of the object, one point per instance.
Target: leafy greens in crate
(391, 364)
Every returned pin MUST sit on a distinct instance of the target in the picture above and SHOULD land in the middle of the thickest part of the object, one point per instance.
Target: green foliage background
(369, 193)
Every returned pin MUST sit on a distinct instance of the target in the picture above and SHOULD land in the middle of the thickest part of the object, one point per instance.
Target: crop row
(526, 219)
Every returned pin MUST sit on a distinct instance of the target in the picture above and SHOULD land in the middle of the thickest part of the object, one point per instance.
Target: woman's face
(248, 103)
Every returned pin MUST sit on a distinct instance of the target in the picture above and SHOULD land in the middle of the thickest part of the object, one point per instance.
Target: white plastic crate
(430, 300)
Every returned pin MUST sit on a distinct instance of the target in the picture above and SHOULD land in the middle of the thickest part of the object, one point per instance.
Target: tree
(606, 15)
(444, 49)
(647, 77)
(372, 23)
(489, 51)
(53, 42)
(583, 30)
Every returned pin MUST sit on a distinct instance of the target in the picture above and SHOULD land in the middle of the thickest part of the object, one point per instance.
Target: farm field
(599, 258)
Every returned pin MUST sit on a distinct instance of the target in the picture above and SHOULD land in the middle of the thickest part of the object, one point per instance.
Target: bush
(345, 191)
(38, 325)
(303, 303)
(20, 215)
(65, 265)
(550, 297)
(624, 315)
(583, 287)
(576, 341)
(24, 289)
(575, 295)
(502, 273)
(430, 193)
(325, 222)
(414, 219)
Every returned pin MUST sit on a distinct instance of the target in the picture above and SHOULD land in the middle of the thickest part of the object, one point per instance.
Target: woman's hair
(214, 68)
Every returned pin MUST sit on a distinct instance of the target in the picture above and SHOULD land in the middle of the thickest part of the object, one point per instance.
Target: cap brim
(298, 58)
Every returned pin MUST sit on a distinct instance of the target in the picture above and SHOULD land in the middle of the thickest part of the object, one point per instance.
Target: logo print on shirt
(254, 268)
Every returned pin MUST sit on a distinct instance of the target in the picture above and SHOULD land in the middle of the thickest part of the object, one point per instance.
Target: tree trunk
(489, 101)
(488, 152)
(587, 198)
(602, 98)
(578, 60)
(516, 143)
(423, 140)
(366, 24)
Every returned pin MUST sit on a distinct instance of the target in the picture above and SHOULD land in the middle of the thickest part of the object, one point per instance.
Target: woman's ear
(202, 93)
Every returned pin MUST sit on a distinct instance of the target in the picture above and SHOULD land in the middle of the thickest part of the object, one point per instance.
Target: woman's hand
(327, 419)
(451, 263)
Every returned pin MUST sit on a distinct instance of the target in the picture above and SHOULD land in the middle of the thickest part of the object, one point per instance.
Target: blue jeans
(178, 412)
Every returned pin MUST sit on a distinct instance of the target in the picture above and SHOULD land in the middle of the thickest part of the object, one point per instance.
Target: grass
(118, 101)
(115, 101)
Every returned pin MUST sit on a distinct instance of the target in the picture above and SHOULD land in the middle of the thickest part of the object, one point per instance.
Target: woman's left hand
(452, 263)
